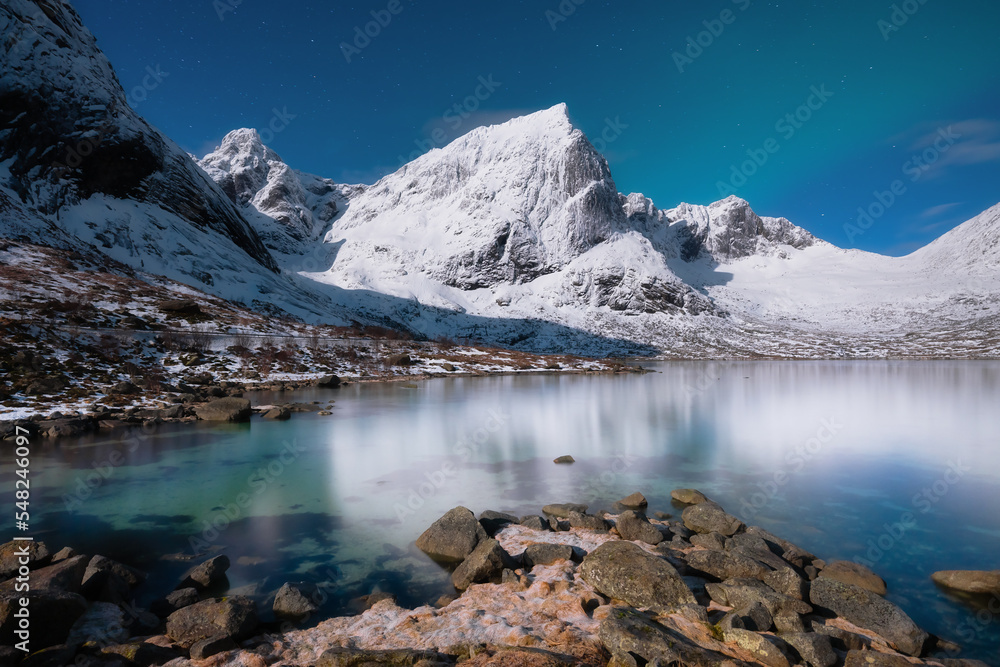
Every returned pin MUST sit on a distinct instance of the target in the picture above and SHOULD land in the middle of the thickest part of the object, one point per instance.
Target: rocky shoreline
(202, 397)
(563, 587)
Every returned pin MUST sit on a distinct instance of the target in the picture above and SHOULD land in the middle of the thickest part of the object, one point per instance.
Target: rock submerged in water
(278, 414)
(229, 409)
(688, 496)
(634, 501)
(979, 582)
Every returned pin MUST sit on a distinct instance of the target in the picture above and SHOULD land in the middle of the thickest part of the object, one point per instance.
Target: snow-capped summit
(505, 203)
(256, 179)
(729, 229)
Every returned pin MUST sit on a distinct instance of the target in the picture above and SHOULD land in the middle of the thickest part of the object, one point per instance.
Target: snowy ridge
(256, 179)
(501, 204)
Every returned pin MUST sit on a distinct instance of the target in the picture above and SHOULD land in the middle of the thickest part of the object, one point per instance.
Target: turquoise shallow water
(894, 463)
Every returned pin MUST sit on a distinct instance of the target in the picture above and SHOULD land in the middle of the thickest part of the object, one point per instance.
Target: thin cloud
(976, 141)
(935, 211)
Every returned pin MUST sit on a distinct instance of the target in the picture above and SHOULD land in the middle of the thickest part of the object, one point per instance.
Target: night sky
(887, 83)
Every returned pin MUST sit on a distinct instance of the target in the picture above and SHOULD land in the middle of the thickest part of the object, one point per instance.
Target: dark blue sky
(884, 84)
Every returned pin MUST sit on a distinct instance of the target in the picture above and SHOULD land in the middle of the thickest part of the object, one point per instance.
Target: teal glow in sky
(815, 111)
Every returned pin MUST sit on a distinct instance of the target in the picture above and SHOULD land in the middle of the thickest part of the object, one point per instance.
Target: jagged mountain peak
(729, 230)
(269, 191)
(246, 143)
(504, 203)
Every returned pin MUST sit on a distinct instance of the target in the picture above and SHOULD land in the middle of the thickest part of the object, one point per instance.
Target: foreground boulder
(103, 573)
(228, 409)
(766, 649)
(627, 633)
(453, 537)
(847, 572)
(740, 593)
(205, 575)
(53, 614)
(969, 581)
(724, 566)
(813, 649)
(875, 659)
(588, 522)
(182, 597)
(869, 611)
(346, 657)
(635, 527)
(142, 653)
(707, 517)
(66, 575)
(37, 555)
(626, 572)
(543, 553)
(493, 522)
(234, 617)
(563, 510)
(485, 563)
(103, 622)
(295, 600)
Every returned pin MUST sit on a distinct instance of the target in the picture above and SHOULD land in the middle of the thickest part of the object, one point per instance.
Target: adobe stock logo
(900, 16)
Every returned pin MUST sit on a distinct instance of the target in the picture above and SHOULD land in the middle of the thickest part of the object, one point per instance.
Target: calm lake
(896, 463)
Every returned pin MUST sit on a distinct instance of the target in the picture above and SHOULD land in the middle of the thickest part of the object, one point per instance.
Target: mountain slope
(502, 204)
(268, 191)
(80, 168)
(521, 219)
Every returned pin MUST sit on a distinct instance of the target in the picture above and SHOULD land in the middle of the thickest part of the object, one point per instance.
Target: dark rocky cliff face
(68, 132)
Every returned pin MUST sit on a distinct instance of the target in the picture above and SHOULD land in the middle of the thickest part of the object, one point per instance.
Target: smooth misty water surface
(831, 455)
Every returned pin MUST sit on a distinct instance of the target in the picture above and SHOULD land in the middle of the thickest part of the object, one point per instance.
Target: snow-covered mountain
(80, 168)
(490, 219)
(258, 181)
(514, 234)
